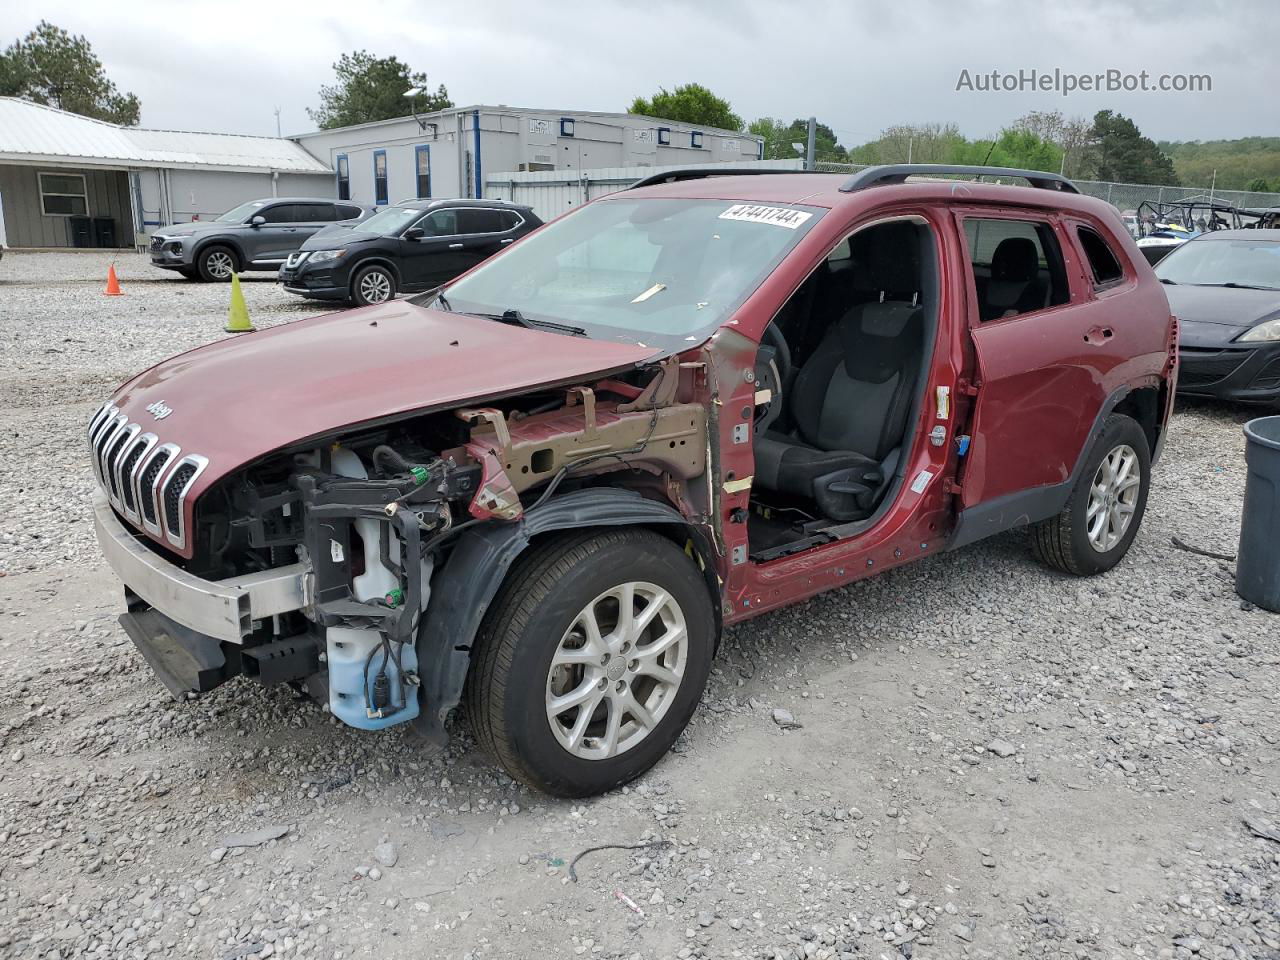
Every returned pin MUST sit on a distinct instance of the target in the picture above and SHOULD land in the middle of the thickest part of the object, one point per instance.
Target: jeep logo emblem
(159, 410)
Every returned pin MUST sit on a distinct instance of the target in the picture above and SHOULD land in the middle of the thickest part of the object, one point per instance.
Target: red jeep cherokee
(548, 487)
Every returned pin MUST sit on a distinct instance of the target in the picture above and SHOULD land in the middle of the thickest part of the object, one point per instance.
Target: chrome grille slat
(161, 458)
(129, 463)
(179, 488)
(106, 440)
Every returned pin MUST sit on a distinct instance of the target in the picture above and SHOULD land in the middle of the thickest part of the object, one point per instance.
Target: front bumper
(323, 284)
(170, 253)
(1243, 372)
(223, 609)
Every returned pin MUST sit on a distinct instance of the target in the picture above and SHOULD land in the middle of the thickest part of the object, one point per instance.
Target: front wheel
(216, 264)
(591, 661)
(1097, 526)
(371, 285)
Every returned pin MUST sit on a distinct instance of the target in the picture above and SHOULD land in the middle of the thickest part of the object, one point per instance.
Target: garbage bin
(1258, 561)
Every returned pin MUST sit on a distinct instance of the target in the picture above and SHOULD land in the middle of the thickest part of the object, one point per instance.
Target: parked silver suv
(258, 235)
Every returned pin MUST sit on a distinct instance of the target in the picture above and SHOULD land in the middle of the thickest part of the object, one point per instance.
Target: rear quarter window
(1103, 262)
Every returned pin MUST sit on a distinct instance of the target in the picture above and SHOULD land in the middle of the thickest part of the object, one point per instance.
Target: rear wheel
(591, 661)
(216, 264)
(1097, 526)
(374, 284)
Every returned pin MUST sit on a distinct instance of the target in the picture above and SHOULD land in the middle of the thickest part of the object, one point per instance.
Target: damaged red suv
(545, 489)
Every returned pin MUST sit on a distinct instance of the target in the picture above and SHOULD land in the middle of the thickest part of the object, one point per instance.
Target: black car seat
(850, 401)
(1015, 285)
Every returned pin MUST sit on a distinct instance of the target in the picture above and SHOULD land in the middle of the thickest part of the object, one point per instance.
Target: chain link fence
(1127, 196)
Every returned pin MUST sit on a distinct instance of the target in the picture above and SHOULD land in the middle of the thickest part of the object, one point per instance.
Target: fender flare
(463, 589)
(219, 241)
(372, 260)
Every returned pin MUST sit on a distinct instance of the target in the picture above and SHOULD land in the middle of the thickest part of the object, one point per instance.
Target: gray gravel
(983, 759)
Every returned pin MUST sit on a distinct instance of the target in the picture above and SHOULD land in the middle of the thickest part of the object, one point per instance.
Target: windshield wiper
(520, 320)
(1246, 286)
(443, 301)
(1172, 283)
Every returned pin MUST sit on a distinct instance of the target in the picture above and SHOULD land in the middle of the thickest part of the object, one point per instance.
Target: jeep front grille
(144, 479)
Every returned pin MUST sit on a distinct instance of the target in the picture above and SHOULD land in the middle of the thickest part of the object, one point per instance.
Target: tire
(216, 263)
(191, 273)
(1079, 541)
(372, 284)
(536, 618)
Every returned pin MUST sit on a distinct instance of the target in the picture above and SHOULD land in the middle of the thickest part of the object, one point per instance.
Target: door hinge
(950, 486)
(968, 389)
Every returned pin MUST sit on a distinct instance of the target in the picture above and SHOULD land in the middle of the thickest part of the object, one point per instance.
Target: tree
(372, 88)
(1258, 185)
(780, 141)
(690, 103)
(52, 67)
(1073, 136)
(1124, 154)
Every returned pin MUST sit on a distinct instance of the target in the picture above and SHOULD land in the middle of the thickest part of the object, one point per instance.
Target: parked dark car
(257, 235)
(1225, 288)
(412, 246)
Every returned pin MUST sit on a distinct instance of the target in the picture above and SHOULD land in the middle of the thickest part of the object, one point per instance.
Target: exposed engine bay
(375, 513)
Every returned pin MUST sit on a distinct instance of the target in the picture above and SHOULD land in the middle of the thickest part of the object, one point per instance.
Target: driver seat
(850, 403)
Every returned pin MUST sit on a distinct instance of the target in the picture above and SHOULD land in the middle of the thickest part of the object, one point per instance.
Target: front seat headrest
(879, 339)
(1015, 258)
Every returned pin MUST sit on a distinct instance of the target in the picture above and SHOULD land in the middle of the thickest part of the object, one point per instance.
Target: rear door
(1041, 356)
(484, 231)
(310, 219)
(273, 241)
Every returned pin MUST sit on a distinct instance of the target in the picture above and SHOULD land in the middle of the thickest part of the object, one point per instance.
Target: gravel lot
(993, 760)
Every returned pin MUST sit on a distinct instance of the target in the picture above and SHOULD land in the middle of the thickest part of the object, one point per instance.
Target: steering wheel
(778, 371)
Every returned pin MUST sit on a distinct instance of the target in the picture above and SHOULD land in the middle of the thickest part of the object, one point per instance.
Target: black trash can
(1258, 562)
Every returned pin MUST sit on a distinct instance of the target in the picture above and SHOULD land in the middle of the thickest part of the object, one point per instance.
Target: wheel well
(375, 262)
(1144, 405)
(220, 242)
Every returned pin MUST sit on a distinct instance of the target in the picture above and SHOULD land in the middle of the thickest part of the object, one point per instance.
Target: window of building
(63, 195)
(380, 177)
(422, 167)
(695, 139)
(1017, 267)
(344, 178)
(566, 126)
(664, 136)
(1106, 267)
(479, 220)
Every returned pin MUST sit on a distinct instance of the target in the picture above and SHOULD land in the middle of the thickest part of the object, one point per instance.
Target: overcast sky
(858, 65)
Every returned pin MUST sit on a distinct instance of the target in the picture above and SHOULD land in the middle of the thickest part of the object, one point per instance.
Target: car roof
(304, 200)
(427, 203)
(1272, 235)
(823, 190)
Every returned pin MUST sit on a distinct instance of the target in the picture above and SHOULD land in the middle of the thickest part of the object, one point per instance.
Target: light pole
(411, 94)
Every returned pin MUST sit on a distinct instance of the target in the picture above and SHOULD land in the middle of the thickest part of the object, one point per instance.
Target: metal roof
(31, 131)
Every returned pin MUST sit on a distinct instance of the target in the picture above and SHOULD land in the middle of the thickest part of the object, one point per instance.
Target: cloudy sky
(858, 65)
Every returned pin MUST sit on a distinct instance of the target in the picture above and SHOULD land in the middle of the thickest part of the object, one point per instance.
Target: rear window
(345, 212)
(1102, 261)
(480, 221)
(1017, 266)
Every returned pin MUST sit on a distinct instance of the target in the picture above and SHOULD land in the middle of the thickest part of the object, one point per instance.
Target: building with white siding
(447, 153)
(72, 181)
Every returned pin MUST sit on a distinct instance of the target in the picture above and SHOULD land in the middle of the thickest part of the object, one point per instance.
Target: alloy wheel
(220, 265)
(375, 287)
(1113, 497)
(617, 670)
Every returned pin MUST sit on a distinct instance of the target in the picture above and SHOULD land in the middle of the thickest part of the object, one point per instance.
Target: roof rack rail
(707, 170)
(898, 173)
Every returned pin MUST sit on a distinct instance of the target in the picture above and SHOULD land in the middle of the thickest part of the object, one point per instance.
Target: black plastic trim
(891, 173)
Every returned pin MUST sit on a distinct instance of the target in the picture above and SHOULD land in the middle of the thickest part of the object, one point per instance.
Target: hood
(1211, 316)
(236, 400)
(334, 236)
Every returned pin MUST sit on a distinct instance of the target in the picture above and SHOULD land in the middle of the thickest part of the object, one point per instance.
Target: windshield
(1249, 263)
(657, 271)
(388, 222)
(241, 213)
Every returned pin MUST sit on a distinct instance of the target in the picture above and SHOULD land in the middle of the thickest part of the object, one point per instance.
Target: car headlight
(1263, 331)
(322, 256)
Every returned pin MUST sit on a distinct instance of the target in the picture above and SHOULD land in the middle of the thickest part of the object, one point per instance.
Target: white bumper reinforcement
(225, 609)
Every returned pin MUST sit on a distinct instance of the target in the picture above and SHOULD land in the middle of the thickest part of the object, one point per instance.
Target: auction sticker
(778, 216)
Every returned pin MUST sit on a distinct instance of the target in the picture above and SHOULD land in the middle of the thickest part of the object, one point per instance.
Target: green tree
(1258, 185)
(1124, 154)
(372, 88)
(52, 67)
(690, 103)
(780, 140)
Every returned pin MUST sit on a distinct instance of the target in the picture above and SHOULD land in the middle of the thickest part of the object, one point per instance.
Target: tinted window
(1017, 267)
(315, 213)
(480, 221)
(343, 212)
(1106, 268)
(440, 223)
(280, 213)
(510, 219)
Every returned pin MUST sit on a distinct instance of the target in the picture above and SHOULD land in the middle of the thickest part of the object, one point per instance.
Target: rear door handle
(508, 240)
(455, 246)
(1098, 335)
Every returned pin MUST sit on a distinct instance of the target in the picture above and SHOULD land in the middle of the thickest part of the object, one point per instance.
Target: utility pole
(810, 152)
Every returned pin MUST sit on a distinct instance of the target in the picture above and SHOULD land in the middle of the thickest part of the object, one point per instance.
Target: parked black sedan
(1224, 287)
(412, 246)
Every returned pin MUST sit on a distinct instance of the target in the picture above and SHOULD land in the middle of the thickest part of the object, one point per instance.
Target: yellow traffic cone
(238, 315)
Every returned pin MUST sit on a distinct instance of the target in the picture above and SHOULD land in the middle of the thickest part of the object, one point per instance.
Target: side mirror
(258, 221)
(414, 233)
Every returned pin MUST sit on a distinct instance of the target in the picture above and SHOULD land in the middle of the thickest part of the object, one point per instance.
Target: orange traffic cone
(113, 285)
